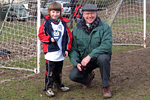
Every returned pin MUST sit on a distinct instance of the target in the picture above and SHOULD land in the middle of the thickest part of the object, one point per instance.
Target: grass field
(130, 80)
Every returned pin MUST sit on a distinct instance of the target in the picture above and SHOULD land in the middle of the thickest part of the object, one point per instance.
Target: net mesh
(125, 18)
(18, 44)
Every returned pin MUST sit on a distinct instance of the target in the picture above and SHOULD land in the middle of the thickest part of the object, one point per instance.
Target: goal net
(18, 37)
(125, 17)
(18, 34)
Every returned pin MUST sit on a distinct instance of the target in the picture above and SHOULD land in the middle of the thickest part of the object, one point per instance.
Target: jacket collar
(80, 23)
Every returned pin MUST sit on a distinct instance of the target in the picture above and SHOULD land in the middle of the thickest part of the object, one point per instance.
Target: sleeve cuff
(50, 39)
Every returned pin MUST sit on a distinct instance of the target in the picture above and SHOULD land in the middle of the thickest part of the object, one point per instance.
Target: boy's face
(54, 14)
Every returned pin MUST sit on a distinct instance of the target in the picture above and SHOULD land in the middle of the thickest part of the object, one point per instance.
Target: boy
(56, 38)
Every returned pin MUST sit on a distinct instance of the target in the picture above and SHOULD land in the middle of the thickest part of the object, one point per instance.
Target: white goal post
(20, 47)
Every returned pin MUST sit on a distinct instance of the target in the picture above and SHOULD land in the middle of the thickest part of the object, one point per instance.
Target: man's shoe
(50, 92)
(106, 92)
(85, 86)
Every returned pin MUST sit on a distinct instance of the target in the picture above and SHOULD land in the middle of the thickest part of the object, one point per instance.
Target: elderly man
(91, 48)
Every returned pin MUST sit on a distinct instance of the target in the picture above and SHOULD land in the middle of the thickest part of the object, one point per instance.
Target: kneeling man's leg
(78, 76)
(103, 62)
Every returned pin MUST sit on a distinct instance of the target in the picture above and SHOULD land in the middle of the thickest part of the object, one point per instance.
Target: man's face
(89, 16)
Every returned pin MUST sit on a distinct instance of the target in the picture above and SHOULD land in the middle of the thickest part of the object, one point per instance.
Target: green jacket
(98, 42)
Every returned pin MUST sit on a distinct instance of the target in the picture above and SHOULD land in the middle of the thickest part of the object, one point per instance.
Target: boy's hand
(66, 53)
(52, 39)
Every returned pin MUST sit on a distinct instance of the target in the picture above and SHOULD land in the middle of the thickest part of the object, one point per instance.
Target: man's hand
(86, 60)
(79, 66)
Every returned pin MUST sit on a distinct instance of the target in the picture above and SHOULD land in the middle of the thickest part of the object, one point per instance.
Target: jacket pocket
(53, 47)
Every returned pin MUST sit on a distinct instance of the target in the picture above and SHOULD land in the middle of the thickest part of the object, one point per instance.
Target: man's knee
(104, 58)
(73, 74)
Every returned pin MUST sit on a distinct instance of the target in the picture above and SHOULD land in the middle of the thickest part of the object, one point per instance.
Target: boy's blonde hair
(54, 6)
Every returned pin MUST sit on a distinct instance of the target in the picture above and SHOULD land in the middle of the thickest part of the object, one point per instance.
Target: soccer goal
(20, 47)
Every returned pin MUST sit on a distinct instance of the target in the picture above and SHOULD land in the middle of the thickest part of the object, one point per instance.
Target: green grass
(129, 25)
(124, 48)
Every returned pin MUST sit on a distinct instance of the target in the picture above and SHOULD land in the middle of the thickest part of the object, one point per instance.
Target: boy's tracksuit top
(55, 51)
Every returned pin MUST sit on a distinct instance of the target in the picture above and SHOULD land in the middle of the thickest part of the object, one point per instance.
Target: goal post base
(128, 44)
(17, 68)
